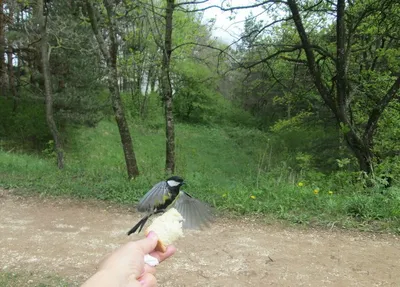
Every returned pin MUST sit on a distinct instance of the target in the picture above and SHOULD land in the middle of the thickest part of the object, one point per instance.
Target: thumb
(147, 244)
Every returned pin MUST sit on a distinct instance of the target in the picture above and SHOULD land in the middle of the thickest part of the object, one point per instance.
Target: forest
(297, 117)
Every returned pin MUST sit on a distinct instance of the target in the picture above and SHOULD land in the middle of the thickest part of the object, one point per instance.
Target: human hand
(126, 267)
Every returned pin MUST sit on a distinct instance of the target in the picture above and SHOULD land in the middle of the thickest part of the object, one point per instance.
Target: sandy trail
(68, 238)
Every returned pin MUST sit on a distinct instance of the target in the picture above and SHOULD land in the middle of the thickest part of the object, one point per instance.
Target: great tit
(167, 194)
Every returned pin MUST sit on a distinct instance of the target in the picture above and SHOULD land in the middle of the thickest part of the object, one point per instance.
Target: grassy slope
(206, 157)
(220, 166)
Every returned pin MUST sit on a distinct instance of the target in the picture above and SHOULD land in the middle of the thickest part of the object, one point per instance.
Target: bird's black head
(175, 181)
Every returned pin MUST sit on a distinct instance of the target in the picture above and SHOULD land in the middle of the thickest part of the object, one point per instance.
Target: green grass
(19, 279)
(300, 205)
(221, 166)
(206, 157)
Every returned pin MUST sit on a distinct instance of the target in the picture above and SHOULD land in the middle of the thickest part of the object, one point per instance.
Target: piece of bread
(168, 228)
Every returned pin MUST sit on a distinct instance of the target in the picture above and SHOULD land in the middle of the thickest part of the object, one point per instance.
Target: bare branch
(264, 60)
(234, 7)
(190, 3)
(297, 61)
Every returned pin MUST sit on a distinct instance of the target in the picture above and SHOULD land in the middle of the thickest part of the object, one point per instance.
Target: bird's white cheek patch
(173, 183)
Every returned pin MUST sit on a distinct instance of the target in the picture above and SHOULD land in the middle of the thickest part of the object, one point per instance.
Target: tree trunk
(153, 80)
(3, 81)
(143, 107)
(311, 62)
(126, 140)
(362, 149)
(47, 85)
(110, 56)
(341, 86)
(11, 77)
(116, 100)
(167, 90)
(19, 61)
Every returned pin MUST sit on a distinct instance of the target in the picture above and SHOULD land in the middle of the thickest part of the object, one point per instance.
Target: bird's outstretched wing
(194, 212)
(153, 197)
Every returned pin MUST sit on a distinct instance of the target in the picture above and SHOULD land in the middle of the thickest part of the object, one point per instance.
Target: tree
(164, 41)
(166, 88)
(110, 53)
(139, 59)
(195, 97)
(349, 57)
(339, 96)
(41, 15)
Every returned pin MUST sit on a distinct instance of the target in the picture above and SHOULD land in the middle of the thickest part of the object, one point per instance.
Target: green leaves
(195, 96)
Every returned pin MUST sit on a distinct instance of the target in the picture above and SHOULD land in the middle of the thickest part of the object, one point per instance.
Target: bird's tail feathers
(139, 225)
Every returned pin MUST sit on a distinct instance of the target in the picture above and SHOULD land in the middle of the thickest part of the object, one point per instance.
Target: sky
(225, 29)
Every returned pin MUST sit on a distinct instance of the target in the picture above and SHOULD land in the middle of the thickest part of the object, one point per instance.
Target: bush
(25, 127)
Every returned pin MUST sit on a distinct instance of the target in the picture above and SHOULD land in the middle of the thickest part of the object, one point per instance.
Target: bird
(167, 194)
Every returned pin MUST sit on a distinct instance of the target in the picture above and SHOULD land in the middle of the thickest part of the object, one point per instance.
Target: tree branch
(377, 112)
(294, 48)
(190, 3)
(95, 27)
(312, 66)
(234, 7)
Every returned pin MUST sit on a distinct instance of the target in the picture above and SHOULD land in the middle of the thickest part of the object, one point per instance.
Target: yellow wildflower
(300, 184)
(316, 191)
(252, 196)
(330, 192)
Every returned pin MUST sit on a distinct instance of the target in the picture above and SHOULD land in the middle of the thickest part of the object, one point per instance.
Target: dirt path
(68, 238)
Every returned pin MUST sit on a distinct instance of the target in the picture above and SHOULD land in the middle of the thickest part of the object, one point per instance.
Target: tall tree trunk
(341, 86)
(19, 60)
(153, 79)
(19, 71)
(360, 148)
(110, 56)
(10, 50)
(143, 107)
(126, 140)
(3, 81)
(167, 89)
(11, 78)
(47, 84)
(123, 127)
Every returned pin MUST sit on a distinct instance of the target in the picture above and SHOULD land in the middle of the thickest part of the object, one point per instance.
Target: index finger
(162, 256)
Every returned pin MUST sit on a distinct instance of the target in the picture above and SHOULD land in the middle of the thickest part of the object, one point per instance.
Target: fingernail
(151, 234)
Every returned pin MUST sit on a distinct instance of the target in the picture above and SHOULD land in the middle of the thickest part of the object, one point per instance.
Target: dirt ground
(68, 238)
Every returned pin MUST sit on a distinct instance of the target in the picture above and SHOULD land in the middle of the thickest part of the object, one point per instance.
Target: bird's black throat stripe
(170, 198)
